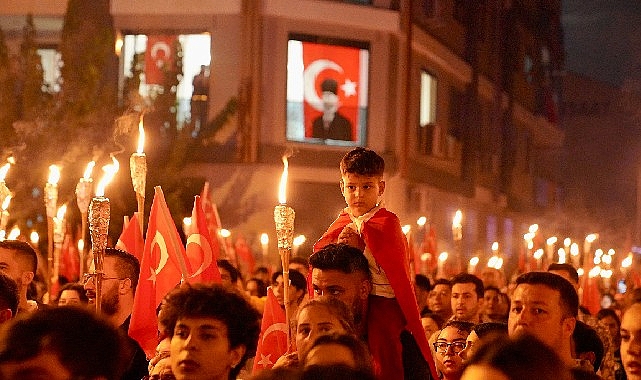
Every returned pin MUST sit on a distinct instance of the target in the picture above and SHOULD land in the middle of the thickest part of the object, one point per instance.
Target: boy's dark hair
(229, 267)
(222, 303)
(565, 267)
(467, 278)
(82, 294)
(23, 251)
(421, 281)
(362, 161)
(340, 257)
(585, 340)
(127, 265)
(88, 346)
(567, 294)
(9, 298)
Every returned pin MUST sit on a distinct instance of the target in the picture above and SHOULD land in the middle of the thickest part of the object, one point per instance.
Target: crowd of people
(355, 312)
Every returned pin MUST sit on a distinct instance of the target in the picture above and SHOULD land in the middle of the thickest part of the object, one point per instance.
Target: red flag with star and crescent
(272, 342)
(159, 57)
(160, 272)
(213, 220)
(341, 63)
(131, 239)
(202, 250)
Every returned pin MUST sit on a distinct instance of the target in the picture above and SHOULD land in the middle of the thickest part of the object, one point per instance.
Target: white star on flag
(265, 360)
(349, 88)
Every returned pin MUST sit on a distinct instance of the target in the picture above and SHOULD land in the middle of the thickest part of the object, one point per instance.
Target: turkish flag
(131, 239)
(160, 272)
(342, 64)
(213, 220)
(244, 253)
(159, 57)
(70, 259)
(429, 246)
(272, 342)
(202, 250)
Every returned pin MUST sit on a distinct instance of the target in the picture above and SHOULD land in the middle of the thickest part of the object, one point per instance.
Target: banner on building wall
(160, 57)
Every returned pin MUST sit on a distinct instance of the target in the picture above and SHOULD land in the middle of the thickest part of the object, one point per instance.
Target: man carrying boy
(367, 225)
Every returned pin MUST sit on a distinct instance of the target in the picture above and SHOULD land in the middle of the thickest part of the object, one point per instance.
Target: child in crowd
(392, 307)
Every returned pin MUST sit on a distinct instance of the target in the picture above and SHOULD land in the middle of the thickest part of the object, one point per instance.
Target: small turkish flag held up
(159, 57)
(342, 64)
(202, 250)
(160, 272)
(131, 239)
(272, 342)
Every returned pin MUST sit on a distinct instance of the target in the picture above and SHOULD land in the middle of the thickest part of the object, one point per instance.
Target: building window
(51, 62)
(430, 134)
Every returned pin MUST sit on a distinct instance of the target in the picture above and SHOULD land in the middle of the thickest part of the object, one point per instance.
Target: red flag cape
(383, 235)
(131, 239)
(201, 249)
(160, 272)
(272, 342)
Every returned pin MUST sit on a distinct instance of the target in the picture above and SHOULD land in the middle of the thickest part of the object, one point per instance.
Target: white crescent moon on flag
(309, 80)
(207, 253)
(164, 254)
(273, 328)
(158, 46)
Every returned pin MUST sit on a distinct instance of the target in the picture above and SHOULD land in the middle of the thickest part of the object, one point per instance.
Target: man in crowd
(545, 305)
(8, 298)
(467, 297)
(20, 262)
(422, 289)
(439, 301)
(121, 271)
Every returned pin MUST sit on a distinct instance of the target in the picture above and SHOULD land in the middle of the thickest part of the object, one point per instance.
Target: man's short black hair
(127, 265)
(467, 278)
(421, 281)
(362, 161)
(484, 329)
(234, 274)
(568, 297)
(565, 267)
(586, 340)
(9, 298)
(340, 257)
(442, 281)
(223, 303)
(295, 277)
(24, 252)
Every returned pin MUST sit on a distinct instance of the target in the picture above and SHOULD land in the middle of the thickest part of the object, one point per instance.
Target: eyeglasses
(89, 277)
(443, 347)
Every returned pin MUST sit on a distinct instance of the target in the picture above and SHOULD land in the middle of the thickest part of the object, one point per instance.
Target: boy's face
(361, 192)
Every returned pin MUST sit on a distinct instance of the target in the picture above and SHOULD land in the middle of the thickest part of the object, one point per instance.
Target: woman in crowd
(73, 294)
(449, 344)
(631, 341)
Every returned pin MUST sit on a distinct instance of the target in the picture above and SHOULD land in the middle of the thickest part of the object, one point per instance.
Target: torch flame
(89, 170)
(4, 170)
(110, 171)
(14, 233)
(141, 137)
(54, 174)
(264, 239)
(34, 237)
(282, 187)
(5, 203)
(458, 217)
(61, 212)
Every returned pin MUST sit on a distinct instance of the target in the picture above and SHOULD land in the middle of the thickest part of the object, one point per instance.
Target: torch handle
(284, 255)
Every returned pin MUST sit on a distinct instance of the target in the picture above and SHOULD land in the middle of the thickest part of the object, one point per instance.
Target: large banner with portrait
(326, 92)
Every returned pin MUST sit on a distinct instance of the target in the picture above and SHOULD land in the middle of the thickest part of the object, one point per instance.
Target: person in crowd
(422, 289)
(440, 299)
(9, 298)
(213, 331)
(315, 318)
(162, 370)
(229, 275)
(19, 261)
(631, 341)
(262, 273)
(62, 343)
(368, 226)
(256, 287)
(297, 290)
(72, 293)
(300, 264)
(121, 271)
(610, 319)
(431, 323)
(587, 348)
(467, 297)
(495, 306)
(493, 277)
(481, 333)
(449, 344)
(339, 349)
(545, 306)
(520, 358)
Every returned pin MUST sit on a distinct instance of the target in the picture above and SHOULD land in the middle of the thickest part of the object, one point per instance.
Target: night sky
(603, 38)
